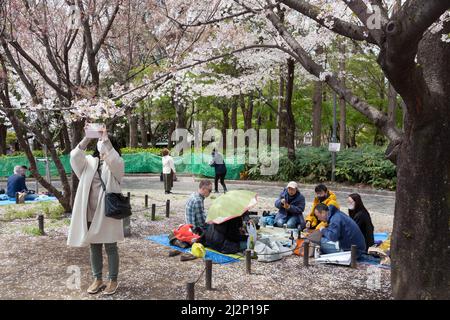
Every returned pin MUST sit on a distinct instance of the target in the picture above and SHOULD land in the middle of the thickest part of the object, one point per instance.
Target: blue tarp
(216, 257)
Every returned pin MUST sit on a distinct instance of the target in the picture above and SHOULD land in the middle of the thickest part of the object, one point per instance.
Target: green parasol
(231, 205)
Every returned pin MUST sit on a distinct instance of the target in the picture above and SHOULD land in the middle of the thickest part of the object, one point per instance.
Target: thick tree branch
(407, 26)
(38, 68)
(376, 116)
(107, 29)
(344, 28)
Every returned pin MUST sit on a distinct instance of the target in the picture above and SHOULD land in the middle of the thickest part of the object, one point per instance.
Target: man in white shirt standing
(168, 170)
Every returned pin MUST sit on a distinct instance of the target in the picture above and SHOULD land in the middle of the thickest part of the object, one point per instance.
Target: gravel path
(39, 267)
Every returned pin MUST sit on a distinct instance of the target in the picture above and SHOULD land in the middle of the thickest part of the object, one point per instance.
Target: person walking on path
(220, 170)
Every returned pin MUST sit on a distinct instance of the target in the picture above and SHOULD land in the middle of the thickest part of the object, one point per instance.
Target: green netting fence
(142, 162)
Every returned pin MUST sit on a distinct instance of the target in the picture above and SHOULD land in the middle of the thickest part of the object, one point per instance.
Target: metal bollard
(208, 274)
(167, 208)
(146, 201)
(306, 253)
(354, 256)
(126, 227)
(41, 224)
(248, 261)
(190, 291)
(153, 212)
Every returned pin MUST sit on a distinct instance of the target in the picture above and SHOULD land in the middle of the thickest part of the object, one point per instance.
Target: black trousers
(168, 181)
(221, 177)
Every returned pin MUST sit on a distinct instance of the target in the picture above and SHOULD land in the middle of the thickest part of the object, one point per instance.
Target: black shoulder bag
(117, 206)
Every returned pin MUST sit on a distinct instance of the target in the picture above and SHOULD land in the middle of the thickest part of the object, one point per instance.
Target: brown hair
(204, 184)
(165, 152)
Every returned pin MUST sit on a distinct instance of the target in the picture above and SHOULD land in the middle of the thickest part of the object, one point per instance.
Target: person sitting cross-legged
(290, 204)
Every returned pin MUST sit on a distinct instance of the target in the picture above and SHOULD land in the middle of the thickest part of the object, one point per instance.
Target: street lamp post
(333, 153)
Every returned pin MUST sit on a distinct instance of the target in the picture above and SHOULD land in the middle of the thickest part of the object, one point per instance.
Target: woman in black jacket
(226, 237)
(361, 216)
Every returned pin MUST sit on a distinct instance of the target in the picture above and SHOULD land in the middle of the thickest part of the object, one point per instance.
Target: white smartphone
(94, 130)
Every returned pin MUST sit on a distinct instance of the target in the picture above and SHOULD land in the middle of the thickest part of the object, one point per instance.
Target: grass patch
(157, 218)
(14, 213)
(51, 210)
(26, 211)
(31, 230)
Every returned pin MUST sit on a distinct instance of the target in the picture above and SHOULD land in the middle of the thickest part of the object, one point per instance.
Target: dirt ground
(41, 267)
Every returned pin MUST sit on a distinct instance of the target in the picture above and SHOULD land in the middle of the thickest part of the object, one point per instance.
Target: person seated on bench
(228, 237)
(16, 183)
(290, 204)
(341, 233)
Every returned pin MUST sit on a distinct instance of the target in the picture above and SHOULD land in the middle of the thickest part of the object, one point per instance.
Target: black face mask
(322, 199)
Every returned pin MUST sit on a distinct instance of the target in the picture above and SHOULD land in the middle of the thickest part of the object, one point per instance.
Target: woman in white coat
(89, 225)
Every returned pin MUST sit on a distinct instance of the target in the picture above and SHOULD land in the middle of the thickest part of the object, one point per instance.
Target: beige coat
(103, 229)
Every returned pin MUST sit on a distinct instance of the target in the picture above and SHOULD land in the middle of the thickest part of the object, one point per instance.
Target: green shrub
(156, 151)
(313, 165)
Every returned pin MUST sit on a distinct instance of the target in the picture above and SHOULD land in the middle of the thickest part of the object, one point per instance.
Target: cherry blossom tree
(412, 47)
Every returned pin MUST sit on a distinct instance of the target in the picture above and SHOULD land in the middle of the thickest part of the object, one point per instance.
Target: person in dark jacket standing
(227, 237)
(358, 212)
(342, 232)
(290, 204)
(220, 170)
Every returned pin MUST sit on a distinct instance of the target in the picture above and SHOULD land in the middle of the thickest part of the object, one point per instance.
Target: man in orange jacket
(323, 195)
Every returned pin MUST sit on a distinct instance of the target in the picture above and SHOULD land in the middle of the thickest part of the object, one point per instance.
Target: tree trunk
(172, 127)
(421, 239)
(290, 120)
(77, 136)
(180, 109)
(225, 126)
(3, 134)
(317, 114)
(133, 127)
(66, 138)
(392, 104)
(247, 112)
(281, 115)
(143, 129)
(234, 108)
